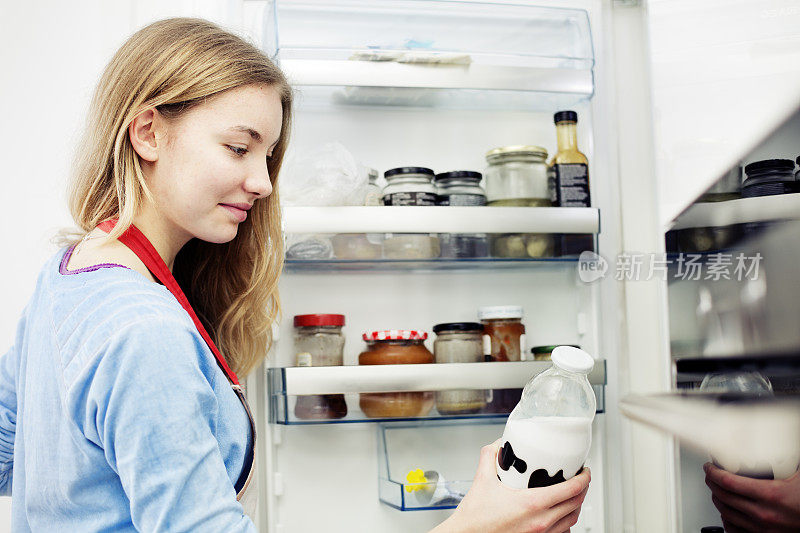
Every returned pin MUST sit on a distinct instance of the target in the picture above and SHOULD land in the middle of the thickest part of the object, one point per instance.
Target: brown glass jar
(396, 347)
(503, 340)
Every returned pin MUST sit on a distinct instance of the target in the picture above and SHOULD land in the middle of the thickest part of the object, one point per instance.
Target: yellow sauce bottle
(570, 170)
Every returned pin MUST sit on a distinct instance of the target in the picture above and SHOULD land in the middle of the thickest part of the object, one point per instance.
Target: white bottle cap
(490, 312)
(572, 359)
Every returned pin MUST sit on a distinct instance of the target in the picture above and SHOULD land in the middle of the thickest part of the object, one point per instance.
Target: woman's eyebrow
(246, 129)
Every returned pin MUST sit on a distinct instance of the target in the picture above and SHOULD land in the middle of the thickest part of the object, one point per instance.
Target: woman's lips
(239, 214)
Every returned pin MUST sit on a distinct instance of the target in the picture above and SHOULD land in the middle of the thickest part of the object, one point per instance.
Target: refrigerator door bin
(287, 384)
(422, 467)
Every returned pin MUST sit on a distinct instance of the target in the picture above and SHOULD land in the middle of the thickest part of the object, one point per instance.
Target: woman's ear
(142, 133)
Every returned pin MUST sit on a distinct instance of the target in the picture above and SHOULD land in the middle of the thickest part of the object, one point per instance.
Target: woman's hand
(755, 505)
(490, 506)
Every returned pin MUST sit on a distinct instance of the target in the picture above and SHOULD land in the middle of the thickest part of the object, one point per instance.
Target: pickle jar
(319, 341)
(517, 176)
(396, 347)
(459, 342)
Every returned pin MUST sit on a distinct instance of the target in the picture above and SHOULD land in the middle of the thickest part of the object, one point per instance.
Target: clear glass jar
(410, 186)
(395, 347)
(374, 191)
(462, 188)
(517, 176)
(319, 341)
(459, 342)
(503, 340)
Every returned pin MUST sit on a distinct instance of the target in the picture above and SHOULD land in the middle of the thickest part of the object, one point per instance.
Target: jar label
(410, 198)
(487, 345)
(304, 359)
(462, 199)
(572, 185)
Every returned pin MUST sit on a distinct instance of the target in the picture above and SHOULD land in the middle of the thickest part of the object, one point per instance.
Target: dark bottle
(570, 170)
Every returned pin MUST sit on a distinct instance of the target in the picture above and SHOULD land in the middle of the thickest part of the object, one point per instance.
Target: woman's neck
(167, 238)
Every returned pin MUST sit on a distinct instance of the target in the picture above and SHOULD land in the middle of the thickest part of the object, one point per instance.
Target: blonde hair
(173, 65)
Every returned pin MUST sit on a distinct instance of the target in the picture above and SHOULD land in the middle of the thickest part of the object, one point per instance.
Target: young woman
(120, 408)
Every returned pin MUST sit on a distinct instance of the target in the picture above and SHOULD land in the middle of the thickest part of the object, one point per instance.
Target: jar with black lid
(410, 186)
(461, 188)
(459, 342)
(769, 177)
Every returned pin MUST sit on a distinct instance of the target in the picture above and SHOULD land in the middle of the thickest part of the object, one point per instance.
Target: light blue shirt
(114, 415)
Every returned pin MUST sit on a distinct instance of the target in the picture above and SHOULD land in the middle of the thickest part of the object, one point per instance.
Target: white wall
(52, 53)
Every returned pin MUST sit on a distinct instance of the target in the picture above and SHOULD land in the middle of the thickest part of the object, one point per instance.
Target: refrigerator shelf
(743, 433)
(413, 53)
(741, 211)
(441, 219)
(426, 265)
(285, 385)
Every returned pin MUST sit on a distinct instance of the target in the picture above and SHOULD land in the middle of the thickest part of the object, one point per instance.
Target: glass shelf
(741, 211)
(341, 386)
(743, 433)
(487, 263)
(413, 53)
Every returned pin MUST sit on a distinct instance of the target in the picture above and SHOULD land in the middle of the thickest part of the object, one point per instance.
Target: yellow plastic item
(416, 480)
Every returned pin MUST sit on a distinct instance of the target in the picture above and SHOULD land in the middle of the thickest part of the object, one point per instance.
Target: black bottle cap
(565, 116)
(469, 174)
(781, 165)
(712, 529)
(407, 170)
(457, 326)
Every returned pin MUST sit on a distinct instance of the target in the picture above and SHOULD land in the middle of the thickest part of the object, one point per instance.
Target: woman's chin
(220, 235)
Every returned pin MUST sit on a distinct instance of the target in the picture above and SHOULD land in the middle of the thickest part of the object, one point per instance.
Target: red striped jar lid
(318, 320)
(395, 335)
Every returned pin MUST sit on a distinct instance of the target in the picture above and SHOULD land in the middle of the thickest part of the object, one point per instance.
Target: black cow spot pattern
(540, 478)
(506, 459)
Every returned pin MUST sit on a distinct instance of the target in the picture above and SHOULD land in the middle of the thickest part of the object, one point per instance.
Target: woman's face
(212, 163)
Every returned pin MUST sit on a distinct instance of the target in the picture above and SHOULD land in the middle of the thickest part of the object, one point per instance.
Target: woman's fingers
(566, 523)
(561, 492)
(733, 516)
(744, 486)
(745, 505)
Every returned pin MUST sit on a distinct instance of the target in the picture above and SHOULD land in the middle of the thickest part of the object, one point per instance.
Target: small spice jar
(410, 186)
(395, 347)
(318, 341)
(542, 353)
(459, 342)
(503, 340)
(517, 176)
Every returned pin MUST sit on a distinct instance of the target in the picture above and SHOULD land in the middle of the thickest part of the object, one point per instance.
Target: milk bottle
(549, 432)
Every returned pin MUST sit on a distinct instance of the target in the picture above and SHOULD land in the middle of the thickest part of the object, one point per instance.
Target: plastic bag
(328, 175)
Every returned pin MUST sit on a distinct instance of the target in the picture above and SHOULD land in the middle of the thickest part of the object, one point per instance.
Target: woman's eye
(237, 149)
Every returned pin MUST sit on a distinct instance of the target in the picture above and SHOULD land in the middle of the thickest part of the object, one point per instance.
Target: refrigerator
(653, 84)
(671, 95)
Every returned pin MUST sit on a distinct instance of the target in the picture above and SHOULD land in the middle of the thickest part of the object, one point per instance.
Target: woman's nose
(258, 182)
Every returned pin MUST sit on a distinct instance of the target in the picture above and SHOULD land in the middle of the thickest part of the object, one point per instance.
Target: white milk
(550, 442)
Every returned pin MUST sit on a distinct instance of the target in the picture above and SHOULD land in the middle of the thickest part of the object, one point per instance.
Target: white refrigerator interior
(669, 93)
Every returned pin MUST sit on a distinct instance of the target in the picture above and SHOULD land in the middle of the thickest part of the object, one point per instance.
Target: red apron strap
(134, 239)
